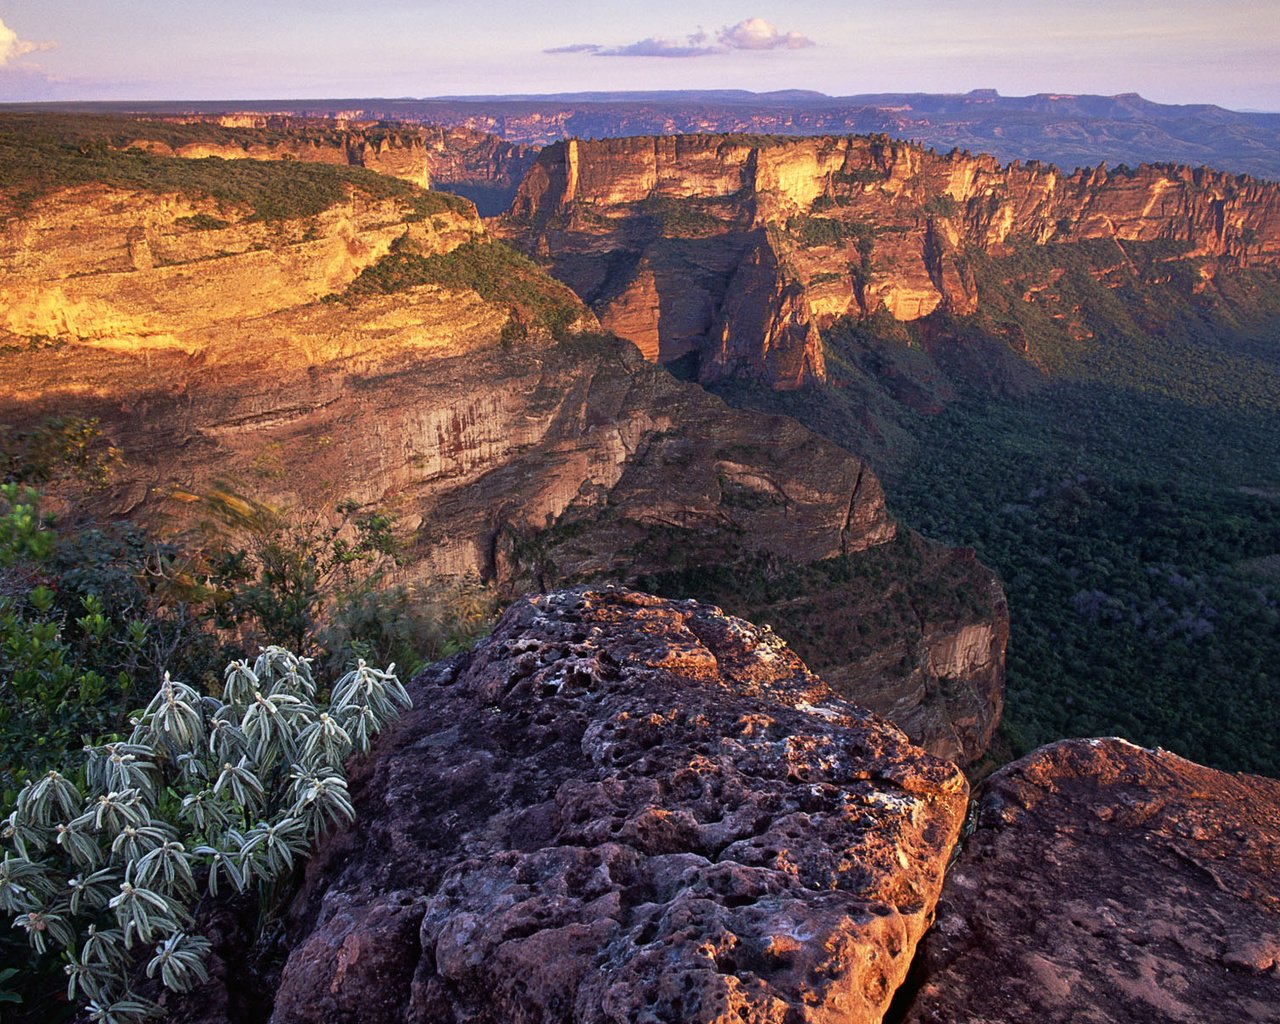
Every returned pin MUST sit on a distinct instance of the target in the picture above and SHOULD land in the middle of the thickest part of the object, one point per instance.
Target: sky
(1225, 52)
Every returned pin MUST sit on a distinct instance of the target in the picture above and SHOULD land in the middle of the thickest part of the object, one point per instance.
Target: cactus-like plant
(207, 795)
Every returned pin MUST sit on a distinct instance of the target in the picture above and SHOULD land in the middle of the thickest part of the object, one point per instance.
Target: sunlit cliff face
(737, 250)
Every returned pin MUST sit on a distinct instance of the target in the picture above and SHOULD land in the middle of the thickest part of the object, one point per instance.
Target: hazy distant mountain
(1070, 131)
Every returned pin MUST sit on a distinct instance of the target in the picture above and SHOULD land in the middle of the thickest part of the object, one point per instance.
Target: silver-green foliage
(207, 795)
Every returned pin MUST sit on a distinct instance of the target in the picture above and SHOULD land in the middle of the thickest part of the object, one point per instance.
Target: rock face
(1107, 883)
(730, 250)
(216, 345)
(1068, 130)
(117, 269)
(209, 359)
(619, 808)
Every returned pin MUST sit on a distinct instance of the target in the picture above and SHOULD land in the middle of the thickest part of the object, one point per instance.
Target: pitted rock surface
(1108, 884)
(624, 809)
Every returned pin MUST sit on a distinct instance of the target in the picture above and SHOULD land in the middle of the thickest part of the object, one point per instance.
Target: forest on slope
(1117, 467)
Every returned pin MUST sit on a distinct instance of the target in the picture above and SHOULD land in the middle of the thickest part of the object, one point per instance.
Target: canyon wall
(217, 350)
(733, 249)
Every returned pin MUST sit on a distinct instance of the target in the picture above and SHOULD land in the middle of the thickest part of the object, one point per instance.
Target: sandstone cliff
(113, 268)
(196, 334)
(731, 248)
(619, 808)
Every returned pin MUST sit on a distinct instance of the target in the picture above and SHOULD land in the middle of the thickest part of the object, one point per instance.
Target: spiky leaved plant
(207, 795)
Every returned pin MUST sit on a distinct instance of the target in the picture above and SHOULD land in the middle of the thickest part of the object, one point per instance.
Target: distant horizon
(1176, 52)
(614, 96)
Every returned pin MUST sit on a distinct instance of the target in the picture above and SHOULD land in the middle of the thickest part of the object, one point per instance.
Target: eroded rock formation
(209, 358)
(1105, 882)
(619, 808)
(730, 249)
(135, 271)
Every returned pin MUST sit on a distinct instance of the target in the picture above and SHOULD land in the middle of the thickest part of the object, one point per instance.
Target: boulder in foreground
(621, 808)
(1108, 883)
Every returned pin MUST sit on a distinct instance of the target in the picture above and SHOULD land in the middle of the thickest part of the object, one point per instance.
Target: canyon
(624, 806)
(732, 252)
(221, 350)
(1061, 128)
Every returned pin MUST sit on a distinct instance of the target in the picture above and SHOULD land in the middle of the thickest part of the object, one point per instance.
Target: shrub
(206, 795)
(492, 269)
(202, 222)
(64, 661)
(410, 624)
(942, 204)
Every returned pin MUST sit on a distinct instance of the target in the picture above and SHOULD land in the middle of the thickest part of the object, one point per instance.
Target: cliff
(293, 360)
(111, 268)
(475, 164)
(729, 250)
(1061, 128)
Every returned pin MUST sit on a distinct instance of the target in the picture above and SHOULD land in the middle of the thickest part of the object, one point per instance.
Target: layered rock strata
(619, 808)
(732, 249)
(1105, 882)
(209, 359)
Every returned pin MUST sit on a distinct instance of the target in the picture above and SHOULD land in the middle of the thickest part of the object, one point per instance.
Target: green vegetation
(858, 176)
(1103, 432)
(493, 269)
(941, 204)
(208, 794)
(40, 153)
(1126, 567)
(687, 218)
(93, 615)
(812, 232)
(61, 446)
(203, 222)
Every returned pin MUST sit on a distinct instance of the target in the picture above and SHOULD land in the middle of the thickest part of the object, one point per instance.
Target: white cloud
(751, 34)
(758, 34)
(12, 48)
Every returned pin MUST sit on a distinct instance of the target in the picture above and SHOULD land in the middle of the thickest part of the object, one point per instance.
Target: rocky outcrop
(619, 808)
(1105, 882)
(397, 152)
(733, 247)
(132, 270)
